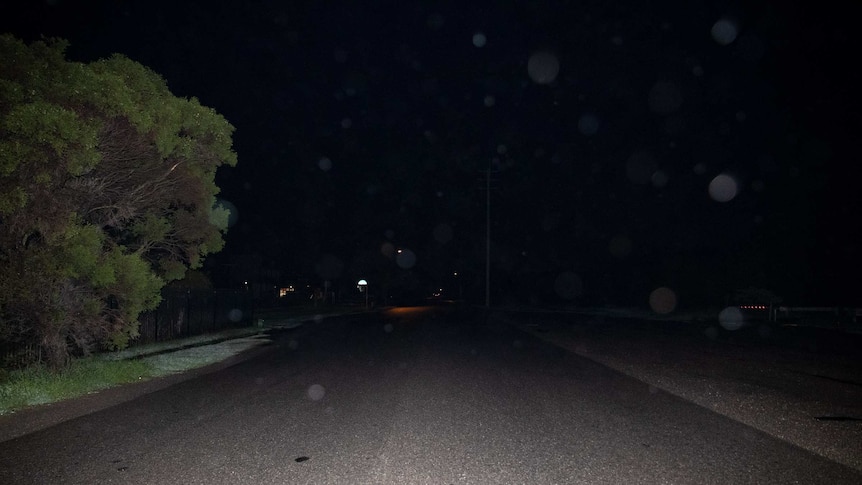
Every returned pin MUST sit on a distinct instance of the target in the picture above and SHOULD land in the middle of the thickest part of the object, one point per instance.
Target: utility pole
(488, 238)
(488, 187)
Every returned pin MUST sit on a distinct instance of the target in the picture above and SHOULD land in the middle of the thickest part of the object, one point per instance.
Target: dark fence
(185, 313)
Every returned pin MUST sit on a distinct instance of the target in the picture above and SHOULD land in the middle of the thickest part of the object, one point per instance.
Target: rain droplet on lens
(543, 67)
(316, 392)
(723, 188)
(662, 300)
(724, 31)
(659, 179)
(731, 318)
(479, 39)
(588, 124)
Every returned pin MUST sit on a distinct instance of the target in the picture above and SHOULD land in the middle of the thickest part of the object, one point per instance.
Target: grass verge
(39, 385)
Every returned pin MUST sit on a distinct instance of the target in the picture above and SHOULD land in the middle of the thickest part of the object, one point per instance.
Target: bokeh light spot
(235, 315)
(588, 124)
(723, 188)
(316, 392)
(662, 300)
(731, 318)
(233, 212)
(724, 31)
(324, 164)
(659, 179)
(479, 39)
(543, 67)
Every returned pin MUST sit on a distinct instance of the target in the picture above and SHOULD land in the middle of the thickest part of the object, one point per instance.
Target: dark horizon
(702, 146)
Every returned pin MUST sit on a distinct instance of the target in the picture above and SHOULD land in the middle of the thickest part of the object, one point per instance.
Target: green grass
(39, 385)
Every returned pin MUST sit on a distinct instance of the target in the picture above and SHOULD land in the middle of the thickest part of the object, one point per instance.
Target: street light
(362, 285)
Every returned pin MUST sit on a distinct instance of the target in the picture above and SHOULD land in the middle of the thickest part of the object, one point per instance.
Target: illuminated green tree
(106, 193)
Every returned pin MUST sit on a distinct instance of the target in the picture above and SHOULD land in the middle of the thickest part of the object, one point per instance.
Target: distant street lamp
(362, 285)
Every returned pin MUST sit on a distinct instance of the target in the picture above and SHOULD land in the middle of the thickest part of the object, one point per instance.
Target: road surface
(411, 396)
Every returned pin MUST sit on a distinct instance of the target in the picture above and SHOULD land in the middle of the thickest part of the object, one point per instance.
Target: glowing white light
(543, 67)
(723, 188)
(316, 392)
(324, 164)
(724, 31)
(662, 300)
(479, 39)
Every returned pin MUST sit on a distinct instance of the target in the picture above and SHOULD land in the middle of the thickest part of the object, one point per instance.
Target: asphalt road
(411, 396)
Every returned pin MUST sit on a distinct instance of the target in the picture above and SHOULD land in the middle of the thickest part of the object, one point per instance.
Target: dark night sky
(366, 126)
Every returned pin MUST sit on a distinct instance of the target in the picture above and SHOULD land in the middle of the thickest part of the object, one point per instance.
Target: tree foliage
(107, 193)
